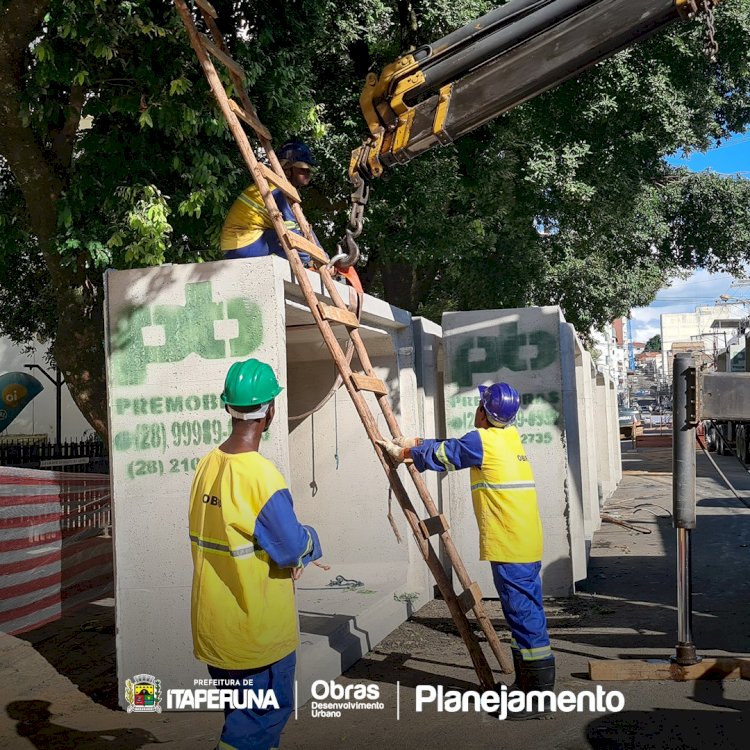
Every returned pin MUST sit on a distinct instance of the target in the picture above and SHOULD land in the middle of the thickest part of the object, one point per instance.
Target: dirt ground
(59, 688)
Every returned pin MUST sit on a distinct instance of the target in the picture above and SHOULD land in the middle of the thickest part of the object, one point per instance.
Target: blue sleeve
(450, 454)
(283, 205)
(288, 543)
(291, 222)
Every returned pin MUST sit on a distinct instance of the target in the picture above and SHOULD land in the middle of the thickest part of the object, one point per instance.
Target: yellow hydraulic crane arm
(441, 91)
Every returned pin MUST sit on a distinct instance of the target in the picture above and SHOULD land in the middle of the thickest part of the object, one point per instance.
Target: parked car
(647, 404)
(630, 419)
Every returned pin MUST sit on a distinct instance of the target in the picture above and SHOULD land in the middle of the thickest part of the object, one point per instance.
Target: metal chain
(347, 249)
(350, 583)
(359, 198)
(711, 47)
(705, 9)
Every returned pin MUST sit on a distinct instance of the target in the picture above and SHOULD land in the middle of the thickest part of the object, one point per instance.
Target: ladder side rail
(239, 85)
(235, 127)
(483, 671)
(482, 668)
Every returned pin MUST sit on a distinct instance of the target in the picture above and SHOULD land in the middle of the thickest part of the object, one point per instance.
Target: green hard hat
(250, 383)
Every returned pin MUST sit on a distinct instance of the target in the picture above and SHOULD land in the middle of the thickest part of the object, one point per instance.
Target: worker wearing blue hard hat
(503, 493)
(248, 231)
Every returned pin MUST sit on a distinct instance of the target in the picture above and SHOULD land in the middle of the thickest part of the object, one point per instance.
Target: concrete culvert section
(373, 582)
(172, 333)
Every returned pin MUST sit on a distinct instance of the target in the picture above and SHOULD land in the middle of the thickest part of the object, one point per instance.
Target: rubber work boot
(518, 667)
(518, 674)
(536, 675)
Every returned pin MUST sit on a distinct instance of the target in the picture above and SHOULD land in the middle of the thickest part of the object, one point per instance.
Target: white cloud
(683, 295)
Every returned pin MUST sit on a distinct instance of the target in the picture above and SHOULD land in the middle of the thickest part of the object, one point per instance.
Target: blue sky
(702, 288)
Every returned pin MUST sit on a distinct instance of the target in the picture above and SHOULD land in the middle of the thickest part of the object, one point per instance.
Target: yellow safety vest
(504, 496)
(242, 606)
(247, 219)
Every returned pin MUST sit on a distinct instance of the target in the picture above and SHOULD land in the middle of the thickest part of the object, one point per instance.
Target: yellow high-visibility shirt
(248, 218)
(503, 493)
(243, 534)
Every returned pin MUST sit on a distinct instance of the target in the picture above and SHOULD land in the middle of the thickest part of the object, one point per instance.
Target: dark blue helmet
(296, 153)
(500, 402)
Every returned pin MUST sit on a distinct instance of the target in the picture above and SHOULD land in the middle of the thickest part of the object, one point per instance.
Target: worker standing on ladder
(503, 492)
(247, 547)
(248, 231)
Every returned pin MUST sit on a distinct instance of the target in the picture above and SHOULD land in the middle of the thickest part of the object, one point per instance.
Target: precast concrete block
(428, 348)
(171, 334)
(586, 378)
(373, 581)
(575, 445)
(603, 420)
(522, 347)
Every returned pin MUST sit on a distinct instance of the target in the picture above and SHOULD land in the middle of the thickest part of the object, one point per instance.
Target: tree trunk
(398, 285)
(79, 353)
(42, 173)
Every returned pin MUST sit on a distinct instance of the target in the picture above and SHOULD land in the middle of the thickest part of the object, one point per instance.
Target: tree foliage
(653, 344)
(115, 156)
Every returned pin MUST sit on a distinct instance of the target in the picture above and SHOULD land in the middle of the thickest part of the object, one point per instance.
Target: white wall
(695, 326)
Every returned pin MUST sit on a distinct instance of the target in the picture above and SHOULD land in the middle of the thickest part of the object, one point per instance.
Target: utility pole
(58, 382)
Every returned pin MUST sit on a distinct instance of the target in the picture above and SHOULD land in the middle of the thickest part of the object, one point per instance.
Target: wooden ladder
(325, 317)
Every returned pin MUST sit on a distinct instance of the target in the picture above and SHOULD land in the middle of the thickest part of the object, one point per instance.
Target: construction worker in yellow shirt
(248, 231)
(503, 493)
(248, 547)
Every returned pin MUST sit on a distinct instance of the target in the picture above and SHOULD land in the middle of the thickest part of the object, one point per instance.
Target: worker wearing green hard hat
(248, 548)
(251, 383)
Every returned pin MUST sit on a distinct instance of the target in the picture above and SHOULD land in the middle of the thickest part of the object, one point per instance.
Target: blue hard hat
(500, 402)
(296, 151)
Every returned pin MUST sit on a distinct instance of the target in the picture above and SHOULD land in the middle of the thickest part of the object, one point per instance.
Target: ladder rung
(298, 242)
(207, 7)
(337, 315)
(469, 598)
(368, 383)
(434, 525)
(222, 56)
(253, 122)
(281, 183)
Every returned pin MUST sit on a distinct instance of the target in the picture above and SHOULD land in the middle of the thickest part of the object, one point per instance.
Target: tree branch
(64, 140)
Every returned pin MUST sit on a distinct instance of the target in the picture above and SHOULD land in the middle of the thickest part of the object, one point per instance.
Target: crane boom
(441, 91)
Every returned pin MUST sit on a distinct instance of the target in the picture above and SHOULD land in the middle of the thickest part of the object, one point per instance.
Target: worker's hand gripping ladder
(328, 315)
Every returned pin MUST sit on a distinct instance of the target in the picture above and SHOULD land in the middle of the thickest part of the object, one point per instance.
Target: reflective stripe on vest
(504, 486)
(443, 458)
(223, 549)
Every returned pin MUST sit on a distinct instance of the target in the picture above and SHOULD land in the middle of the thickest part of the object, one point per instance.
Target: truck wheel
(724, 448)
(710, 437)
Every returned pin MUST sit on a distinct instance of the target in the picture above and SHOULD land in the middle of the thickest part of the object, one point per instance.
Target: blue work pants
(257, 728)
(519, 586)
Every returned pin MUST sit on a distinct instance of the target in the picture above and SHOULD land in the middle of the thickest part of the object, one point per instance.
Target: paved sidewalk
(626, 608)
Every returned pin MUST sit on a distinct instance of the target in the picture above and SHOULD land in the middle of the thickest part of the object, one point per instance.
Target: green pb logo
(506, 349)
(169, 333)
